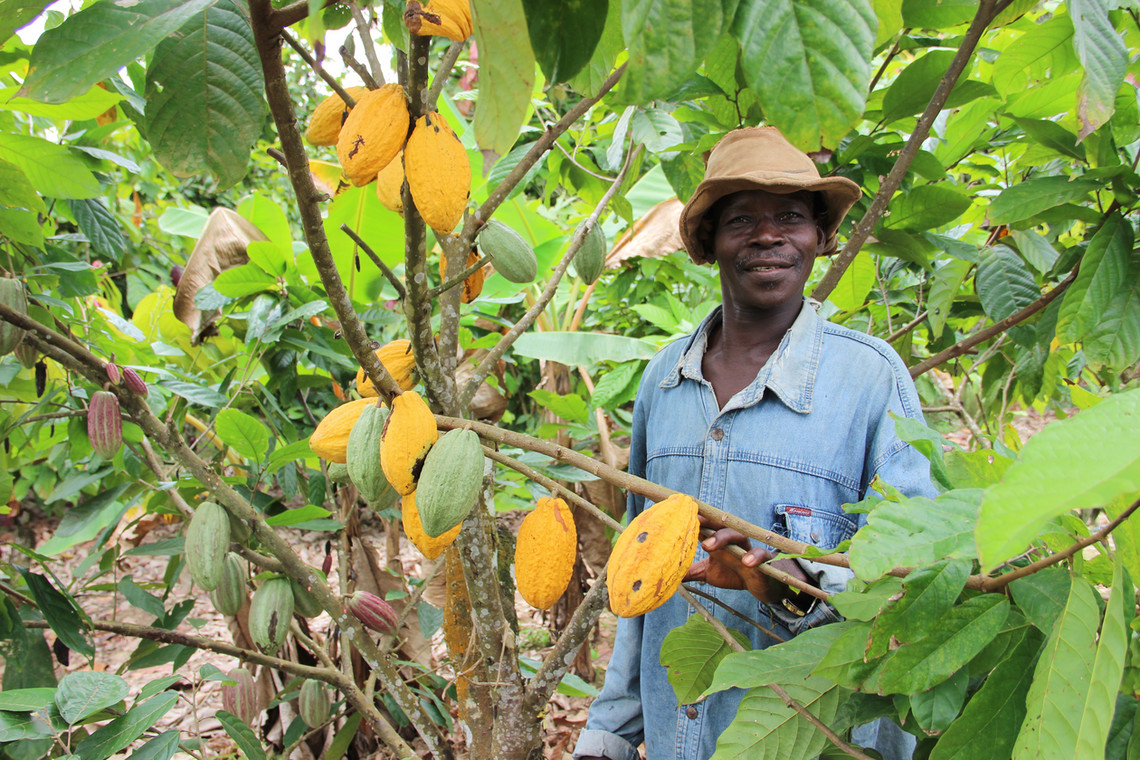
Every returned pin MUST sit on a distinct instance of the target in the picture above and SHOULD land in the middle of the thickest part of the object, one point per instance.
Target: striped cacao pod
(438, 172)
(373, 133)
(450, 482)
(372, 611)
(429, 546)
(313, 703)
(330, 440)
(652, 555)
(591, 257)
(364, 459)
(409, 433)
(329, 116)
(105, 424)
(445, 18)
(473, 285)
(545, 552)
(270, 611)
(510, 254)
(12, 296)
(132, 380)
(113, 373)
(398, 359)
(207, 543)
(240, 698)
(230, 595)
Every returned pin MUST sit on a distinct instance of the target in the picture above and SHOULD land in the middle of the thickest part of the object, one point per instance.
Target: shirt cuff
(604, 744)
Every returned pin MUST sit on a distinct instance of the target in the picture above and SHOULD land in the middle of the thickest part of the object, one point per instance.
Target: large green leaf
(119, 733)
(86, 692)
(1104, 58)
(1126, 536)
(15, 14)
(244, 432)
(691, 653)
(1004, 283)
(767, 729)
(16, 190)
(61, 613)
(1104, 267)
(87, 105)
(611, 44)
(1056, 699)
(204, 105)
(940, 14)
(1049, 480)
(585, 349)
(53, 169)
(912, 89)
(948, 279)
(1107, 670)
(1041, 596)
(786, 662)
(926, 207)
(1029, 198)
(359, 208)
(1045, 50)
(930, 592)
(851, 291)
(97, 41)
(242, 735)
(1115, 339)
(100, 227)
(667, 41)
(506, 72)
(809, 62)
(937, 708)
(917, 531)
(563, 35)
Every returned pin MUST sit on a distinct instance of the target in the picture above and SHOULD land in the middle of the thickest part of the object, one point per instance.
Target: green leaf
(359, 208)
(1108, 668)
(26, 700)
(268, 257)
(948, 279)
(1104, 267)
(585, 349)
(161, 747)
(244, 280)
(15, 14)
(1036, 249)
(1115, 340)
(925, 14)
(16, 190)
(912, 89)
(851, 291)
(97, 41)
(84, 692)
(119, 733)
(60, 612)
(54, 170)
(22, 226)
(139, 598)
(80, 108)
(1029, 198)
(188, 222)
(506, 73)
(930, 593)
(956, 638)
(1052, 135)
(808, 61)
(340, 743)
(601, 64)
(204, 107)
(610, 389)
(563, 35)
(1056, 698)
(282, 456)
(767, 729)
(667, 41)
(100, 227)
(1105, 60)
(786, 662)
(936, 709)
(866, 604)
(298, 515)
(1004, 283)
(926, 207)
(569, 407)
(691, 653)
(1041, 596)
(1045, 50)
(246, 434)
(242, 735)
(194, 393)
(916, 531)
(19, 726)
(1049, 481)
(1126, 536)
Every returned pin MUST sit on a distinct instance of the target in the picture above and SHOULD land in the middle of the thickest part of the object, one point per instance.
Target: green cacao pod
(239, 531)
(591, 257)
(270, 611)
(338, 473)
(314, 703)
(12, 296)
(230, 595)
(27, 355)
(240, 697)
(304, 602)
(510, 254)
(105, 424)
(207, 542)
(450, 482)
(364, 458)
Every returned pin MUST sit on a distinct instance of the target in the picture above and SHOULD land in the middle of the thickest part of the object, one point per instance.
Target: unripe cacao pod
(26, 354)
(338, 472)
(239, 531)
(240, 698)
(314, 703)
(364, 459)
(473, 284)
(408, 435)
(591, 257)
(330, 440)
(373, 133)
(12, 296)
(445, 18)
(328, 117)
(510, 254)
(230, 595)
(545, 552)
(390, 185)
(270, 611)
(372, 611)
(438, 172)
(207, 543)
(304, 602)
(113, 373)
(398, 359)
(105, 424)
(429, 546)
(132, 380)
(450, 481)
(652, 555)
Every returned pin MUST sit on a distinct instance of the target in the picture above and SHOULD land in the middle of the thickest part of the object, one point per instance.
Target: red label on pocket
(802, 511)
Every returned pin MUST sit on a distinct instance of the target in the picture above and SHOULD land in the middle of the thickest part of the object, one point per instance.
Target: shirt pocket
(812, 525)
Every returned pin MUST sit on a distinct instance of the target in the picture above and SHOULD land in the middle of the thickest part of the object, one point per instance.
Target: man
(766, 411)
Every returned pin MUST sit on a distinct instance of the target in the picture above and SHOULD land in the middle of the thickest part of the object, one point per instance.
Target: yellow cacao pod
(473, 285)
(398, 359)
(429, 546)
(438, 172)
(444, 18)
(330, 440)
(373, 133)
(409, 434)
(651, 556)
(389, 184)
(545, 552)
(328, 117)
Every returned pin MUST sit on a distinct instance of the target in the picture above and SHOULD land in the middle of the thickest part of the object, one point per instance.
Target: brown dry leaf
(654, 235)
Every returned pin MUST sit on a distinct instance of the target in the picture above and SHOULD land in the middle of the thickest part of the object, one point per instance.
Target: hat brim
(840, 194)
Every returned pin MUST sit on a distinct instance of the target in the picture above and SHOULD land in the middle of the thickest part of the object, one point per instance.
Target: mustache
(767, 258)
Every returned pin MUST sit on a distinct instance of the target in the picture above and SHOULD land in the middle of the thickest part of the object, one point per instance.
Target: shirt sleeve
(615, 727)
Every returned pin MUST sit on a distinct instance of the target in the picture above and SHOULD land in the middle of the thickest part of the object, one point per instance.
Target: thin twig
(384, 268)
(754, 623)
(328, 78)
(441, 74)
(358, 68)
(907, 327)
(365, 32)
(458, 279)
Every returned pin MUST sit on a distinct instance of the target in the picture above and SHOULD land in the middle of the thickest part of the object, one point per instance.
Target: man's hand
(724, 569)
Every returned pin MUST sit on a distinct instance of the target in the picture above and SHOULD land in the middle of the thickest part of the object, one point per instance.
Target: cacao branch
(389, 275)
(328, 78)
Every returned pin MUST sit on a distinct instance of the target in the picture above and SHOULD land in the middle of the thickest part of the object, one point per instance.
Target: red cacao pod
(314, 703)
(373, 611)
(105, 424)
(134, 382)
(113, 373)
(240, 699)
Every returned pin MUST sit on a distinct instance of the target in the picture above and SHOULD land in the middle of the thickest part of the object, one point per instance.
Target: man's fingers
(698, 570)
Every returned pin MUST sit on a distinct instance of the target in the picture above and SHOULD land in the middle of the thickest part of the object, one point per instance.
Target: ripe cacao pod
(510, 254)
(240, 698)
(438, 172)
(591, 257)
(373, 133)
(545, 552)
(390, 185)
(328, 117)
(652, 555)
(330, 440)
(408, 435)
(444, 18)
(270, 611)
(430, 547)
(314, 703)
(105, 424)
(364, 459)
(132, 380)
(207, 543)
(230, 595)
(304, 602)
(398, 359)
(373, 611)
(473, 285)
(12, 296)
(450, 481)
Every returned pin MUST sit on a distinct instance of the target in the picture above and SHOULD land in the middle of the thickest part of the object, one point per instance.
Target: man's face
(765, 244)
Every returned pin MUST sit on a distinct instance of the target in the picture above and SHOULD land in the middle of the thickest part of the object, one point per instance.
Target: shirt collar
(790, 373)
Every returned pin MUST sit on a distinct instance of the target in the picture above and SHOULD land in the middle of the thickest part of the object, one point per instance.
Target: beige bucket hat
(760, 158)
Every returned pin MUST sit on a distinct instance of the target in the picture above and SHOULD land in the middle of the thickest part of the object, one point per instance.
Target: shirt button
(692, 712)
(717, 434)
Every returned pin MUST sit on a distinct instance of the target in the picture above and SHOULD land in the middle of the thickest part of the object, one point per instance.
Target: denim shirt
(805, 437)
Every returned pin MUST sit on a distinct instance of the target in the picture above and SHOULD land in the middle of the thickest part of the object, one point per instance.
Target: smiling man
(767, 411)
